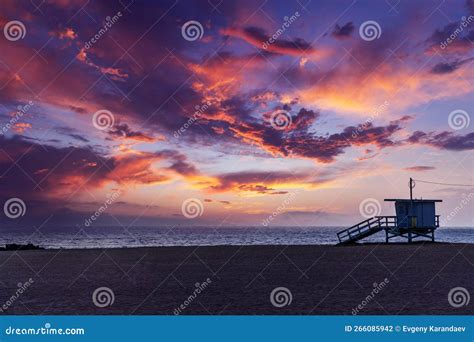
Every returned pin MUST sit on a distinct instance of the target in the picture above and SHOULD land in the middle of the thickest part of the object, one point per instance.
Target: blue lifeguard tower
(414, 219)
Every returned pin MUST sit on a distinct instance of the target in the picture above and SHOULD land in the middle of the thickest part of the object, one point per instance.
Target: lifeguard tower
(414, 219)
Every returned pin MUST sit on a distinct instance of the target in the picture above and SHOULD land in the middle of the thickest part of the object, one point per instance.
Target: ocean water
(117, 237)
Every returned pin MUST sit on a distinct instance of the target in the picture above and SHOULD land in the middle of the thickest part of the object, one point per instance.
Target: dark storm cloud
(179, 162)
(71, 132)
(79, 137)
(260, 189)
(326, 148)
(299, 139)
(262, 40)
(122, 130)
(446, 68)
(40, 171)
(47, 175)
(304, 119)
(444, 140)
(455, 37)
(343, 32)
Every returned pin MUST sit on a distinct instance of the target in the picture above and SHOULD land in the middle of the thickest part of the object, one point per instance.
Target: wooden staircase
(366, 228)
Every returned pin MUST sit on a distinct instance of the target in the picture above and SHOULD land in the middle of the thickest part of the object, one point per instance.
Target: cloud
(453, 38)
(71, 132)
(21, 127)
(208, 200)
(116, 74)
(299, 140)
(275, 182)
(325, 148)
(54, 173)
(255, 181)
(304, 119)
(137, 169)
(444, 140)
(230, 180)
(419, 168)
(79, 137)
(123, 131)
(343, 32)
(45, 172)
(179, 162)
(349, 90)
(259, 38)
(66, 33)
(78, 110)
(446, 68)
(260, 189)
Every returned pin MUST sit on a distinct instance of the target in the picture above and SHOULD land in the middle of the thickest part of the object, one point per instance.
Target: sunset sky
(198, 117)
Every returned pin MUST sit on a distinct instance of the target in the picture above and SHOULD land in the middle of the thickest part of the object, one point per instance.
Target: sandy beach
(322, 280)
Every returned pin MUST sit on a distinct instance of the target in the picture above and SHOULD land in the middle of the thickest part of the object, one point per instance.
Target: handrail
(358, 228)
(358, 224)
(367, 225)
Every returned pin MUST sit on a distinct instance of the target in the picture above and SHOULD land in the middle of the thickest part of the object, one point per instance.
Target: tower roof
(408, 200)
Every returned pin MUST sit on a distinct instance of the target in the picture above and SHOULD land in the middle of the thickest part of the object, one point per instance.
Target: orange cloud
(21, 127)
(257, 183)
(66, 33)
(137, 169)
(116, 73)
(352, 92)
